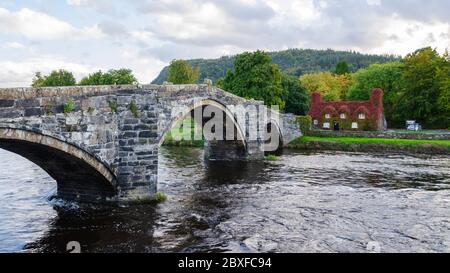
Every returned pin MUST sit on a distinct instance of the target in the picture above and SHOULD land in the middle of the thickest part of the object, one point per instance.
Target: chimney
(316, 98)
(377, 98)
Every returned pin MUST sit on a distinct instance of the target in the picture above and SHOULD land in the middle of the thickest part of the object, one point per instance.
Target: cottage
(348, 115)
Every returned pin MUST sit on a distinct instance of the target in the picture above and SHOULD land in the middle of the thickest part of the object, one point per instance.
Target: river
(316, 202)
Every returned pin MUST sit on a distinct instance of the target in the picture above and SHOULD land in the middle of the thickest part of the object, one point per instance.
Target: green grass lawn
(360, 140)
(184, 135)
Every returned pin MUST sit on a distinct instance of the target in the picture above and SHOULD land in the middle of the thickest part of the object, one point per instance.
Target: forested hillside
(295, 62)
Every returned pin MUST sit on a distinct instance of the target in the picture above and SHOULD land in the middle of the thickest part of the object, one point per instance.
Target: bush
(69, 106)
(133, 109)
(160, 197)
(113, 106)
(305, 123)
(271, 158)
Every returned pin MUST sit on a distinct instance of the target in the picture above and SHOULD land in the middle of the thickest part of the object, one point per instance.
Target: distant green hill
(295, 62)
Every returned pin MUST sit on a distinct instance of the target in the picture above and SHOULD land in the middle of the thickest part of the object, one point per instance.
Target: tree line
(293, 62)
(63, 77)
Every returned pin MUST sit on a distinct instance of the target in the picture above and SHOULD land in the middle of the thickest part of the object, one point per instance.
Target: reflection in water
(319, 202)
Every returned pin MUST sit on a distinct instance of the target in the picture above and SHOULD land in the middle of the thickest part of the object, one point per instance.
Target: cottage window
(354, 125)
(326, 125)
(343, 116)
(316, 122)
(362, 116)
(327, 116)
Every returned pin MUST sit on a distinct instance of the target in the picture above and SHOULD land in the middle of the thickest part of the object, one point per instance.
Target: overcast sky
(87, 35)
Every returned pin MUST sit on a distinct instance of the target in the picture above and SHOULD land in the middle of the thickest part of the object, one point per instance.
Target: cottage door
(336, 126)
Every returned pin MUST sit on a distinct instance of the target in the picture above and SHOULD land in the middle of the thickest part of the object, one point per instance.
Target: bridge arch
(274, 142)
(230, 149)
(79, 174)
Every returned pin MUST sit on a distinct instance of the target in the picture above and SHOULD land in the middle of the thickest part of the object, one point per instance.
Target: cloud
(35, 25)
(14, 74)
(146, 34)
(14, 45)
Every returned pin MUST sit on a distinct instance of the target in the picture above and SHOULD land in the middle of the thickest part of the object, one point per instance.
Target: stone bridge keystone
(104, 144)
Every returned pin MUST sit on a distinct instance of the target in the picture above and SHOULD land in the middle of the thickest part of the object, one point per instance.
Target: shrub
(69, 106)
(305, 123)
(133, 109)
(113, 105)
(160, 197)
(271, 158)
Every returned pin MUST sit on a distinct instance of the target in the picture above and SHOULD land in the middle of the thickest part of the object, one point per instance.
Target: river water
(318, 202)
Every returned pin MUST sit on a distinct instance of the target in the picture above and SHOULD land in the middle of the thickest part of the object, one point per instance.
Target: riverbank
(390, 134)
(183, 137)
(362, 144)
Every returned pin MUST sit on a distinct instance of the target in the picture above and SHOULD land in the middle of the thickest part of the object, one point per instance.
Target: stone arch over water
(224, 149)
(79, 175)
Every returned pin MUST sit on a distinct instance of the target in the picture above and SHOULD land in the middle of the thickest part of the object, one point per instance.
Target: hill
(295, 62)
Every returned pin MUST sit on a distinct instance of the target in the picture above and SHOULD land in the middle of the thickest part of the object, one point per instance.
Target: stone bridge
(101, 142)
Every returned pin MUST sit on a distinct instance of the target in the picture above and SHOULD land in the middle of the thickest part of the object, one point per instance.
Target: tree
(254, 76)
(443, 77)
(180, 72)
(55, 78)
(342, 68)
(121, 76)
(96, 78)
(423, 86)
(38, 80)
(112, 77)
(386, 76)
(296, 97)
(332, 87)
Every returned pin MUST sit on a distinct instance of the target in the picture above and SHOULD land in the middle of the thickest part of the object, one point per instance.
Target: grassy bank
(185, 135)
(359, 144)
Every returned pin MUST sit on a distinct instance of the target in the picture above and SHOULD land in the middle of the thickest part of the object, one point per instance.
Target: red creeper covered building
(348, 115)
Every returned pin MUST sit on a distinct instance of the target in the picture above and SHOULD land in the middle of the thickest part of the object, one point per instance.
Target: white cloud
(40, 26)
(14, 74)
(14, 45)
(405, 36)
(145, 35)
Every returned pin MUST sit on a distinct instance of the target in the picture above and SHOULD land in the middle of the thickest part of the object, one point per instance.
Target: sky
(85, 36)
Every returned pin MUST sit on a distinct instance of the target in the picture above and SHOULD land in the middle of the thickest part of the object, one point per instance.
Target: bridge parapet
(106, 140)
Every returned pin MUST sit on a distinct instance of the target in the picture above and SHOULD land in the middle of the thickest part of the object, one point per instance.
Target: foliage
(294, 62)
(133, 109)
(113, 106)
(386, 76)
(55, 78)
(160, 197)
(112, 77)
(69, 106)
(305, 123)
(181, 136)
(332, 87)
(181, 72)
(271, 157)
(342, 68)
(254, 76)
(443, 77)
(296, 97)
(425, 75)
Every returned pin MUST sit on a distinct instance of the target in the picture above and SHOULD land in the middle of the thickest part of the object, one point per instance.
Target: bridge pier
(137, 146)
